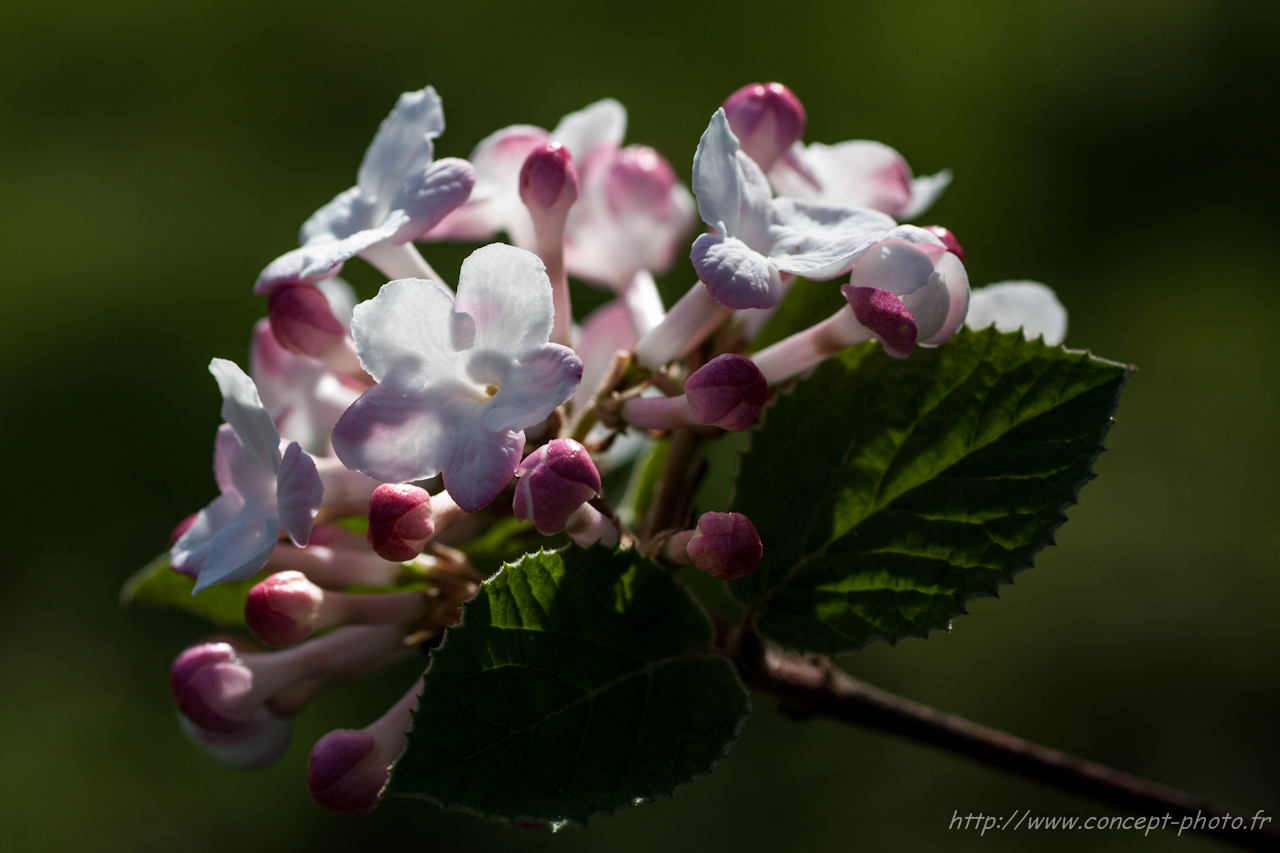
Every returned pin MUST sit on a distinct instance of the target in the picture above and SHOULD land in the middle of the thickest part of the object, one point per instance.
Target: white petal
(403, 335)
(483, 464)
(956, 279)
(924, 192)
(239, 550)
(733, 194)
(341, 299)
(592, 131)
(736, 275)
(303, 397)
(299, 493)
(533, 389)
(857, 173)
(1010, 305)
(188, 553)
(342, 217)
(494, 204)
(431, 194)
(820, 241)
(237, 473)
(397, 438)
(506, 292)
(243, 409)
(402, 144)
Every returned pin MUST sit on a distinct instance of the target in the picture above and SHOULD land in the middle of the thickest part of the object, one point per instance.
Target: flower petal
(398, 438)
(236, 472)
(883, 313)
(323, 257)
(506, 292)
(482, 465)
(237, 551)
(822, 241)
(735, 275)
(606, 330)
(533, 389)
(857, 173)
(243, 410)
(403, 335)
(494, 204)
(299, 493)
(924, 192)
(303, 397)
(402, 144)
(956, 279)
(1011, 305)
(733, 194)
(342, 217)
(429, 196)
(592, 132)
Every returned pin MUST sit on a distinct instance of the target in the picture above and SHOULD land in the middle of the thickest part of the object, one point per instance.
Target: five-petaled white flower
(263, 490)
(458, 379)
(759, 237)
(399, 195)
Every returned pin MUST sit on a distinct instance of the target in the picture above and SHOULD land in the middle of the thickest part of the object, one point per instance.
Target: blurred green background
(155, 155)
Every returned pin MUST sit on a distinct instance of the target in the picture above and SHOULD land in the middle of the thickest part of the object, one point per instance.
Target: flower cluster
(426, 416)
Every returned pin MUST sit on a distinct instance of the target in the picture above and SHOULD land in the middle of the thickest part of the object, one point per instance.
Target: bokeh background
(155, 155)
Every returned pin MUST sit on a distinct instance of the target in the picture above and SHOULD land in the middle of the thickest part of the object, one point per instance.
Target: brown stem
(812, 686)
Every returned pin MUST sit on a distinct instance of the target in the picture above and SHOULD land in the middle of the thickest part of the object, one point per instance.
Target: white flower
(263, 490)
(399, 195)
(1011, 305)
(857, 173)
(760, 237)
(458, 379)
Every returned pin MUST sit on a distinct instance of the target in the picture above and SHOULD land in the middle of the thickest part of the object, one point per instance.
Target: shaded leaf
(157, 585)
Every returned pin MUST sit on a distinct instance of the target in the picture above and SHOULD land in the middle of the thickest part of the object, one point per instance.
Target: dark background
(155, 155)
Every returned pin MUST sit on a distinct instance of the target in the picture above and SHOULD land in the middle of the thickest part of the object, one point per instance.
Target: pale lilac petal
(397, 438)
(483, 463)
(187, 553)
(303, 397)
(593, 132)
(235, 552)
(924, 192)
(1012, 305)
(735, 275)
(342, 217)
(821, 241)
(955, 278)
(733, 194)
(533, 389)
(404, 335)
(402, 144)
(428, 196)
(243, 410)
(299, 493)
(507, 294)
(494, 204)
(606, 331)
(235, 471)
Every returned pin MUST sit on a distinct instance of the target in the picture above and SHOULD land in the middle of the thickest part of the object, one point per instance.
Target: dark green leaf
(578, 683)
(158, 585)
(888, 493)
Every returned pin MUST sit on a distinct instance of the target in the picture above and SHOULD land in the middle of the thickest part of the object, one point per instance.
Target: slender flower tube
(458, 379)
(725, 545)
(727, 392)
(286, 608)
(221, 690)
(264, 491)
(686, 325)
(548, 188)
(556, 481)
(399, 195)
(805, 350)
(335, 559)
(348, 769)
(767, 118)
(258, 744)
(1013, 305)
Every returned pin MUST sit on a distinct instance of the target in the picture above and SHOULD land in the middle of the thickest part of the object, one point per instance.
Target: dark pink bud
(727, 392)
(283, 609)
(726, 545)
(399, 521)
(948, 239)
(555, 480)
(640, 182)
(181, 528)
(343, 774)
(302, 321)
(883, 313)
(210, 686)
(548, 177)
(767, 118)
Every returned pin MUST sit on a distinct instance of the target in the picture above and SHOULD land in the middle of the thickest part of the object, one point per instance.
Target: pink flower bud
(727, 392)
(640, 181)
(948, 239)
(726, 545)
(283, 609)
(399, 521)
(767, 118)
(302, 321)
(210, 687)
(555, 480)
(548, 178)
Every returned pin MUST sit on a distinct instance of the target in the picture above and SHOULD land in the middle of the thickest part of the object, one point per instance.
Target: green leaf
(577, 683)
(157, 585)
(505, 540)
(890, 492)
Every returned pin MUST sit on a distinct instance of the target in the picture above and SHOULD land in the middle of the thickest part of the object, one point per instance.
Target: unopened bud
(727, 392)
(210, 686)
(548, 178)
(555, 480)
(948, 239)
(399, 521)
(767, 118)
(725, 546)
(304, 324)
(283, 609)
